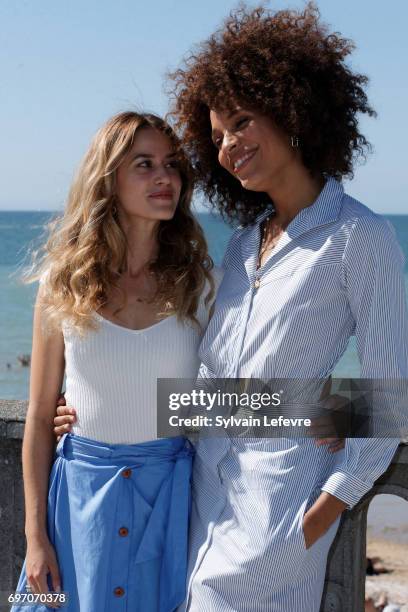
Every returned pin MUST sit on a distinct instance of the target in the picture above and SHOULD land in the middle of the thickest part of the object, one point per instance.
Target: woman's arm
(47, 371)
(374, 281)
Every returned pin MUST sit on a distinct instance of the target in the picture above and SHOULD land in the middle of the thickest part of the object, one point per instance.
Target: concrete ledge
(12, 540)
(12, 419)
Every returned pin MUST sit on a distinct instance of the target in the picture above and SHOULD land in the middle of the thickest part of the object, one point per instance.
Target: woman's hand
(317, 520)
(41, 560)
(64, 419)
(333, 444)
(326, 428)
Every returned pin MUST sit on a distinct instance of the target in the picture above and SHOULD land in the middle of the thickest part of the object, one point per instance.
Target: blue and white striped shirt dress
(335, 272)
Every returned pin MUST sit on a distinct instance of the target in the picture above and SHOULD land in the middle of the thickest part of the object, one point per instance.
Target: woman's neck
(142, 241)
(294, 191)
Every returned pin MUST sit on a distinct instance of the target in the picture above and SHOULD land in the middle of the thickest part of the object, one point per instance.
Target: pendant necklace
(145, 299)
(262, 250)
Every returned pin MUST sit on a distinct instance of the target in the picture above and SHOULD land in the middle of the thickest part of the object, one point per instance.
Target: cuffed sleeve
(355, 476)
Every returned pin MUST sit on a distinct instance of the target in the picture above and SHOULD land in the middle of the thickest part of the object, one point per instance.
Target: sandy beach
(394, 584)
(387, 540)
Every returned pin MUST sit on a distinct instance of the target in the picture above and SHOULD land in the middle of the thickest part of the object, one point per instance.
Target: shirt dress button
(123, 531)
(127, 473)
(119, 592)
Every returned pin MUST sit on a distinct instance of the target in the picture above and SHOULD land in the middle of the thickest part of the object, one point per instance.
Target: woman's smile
(243, 160)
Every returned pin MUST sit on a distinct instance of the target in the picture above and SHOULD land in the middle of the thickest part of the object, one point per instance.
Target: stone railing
(345, 577)
(12, 541)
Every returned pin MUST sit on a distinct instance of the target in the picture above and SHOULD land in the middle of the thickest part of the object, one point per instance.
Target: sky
(66, 66)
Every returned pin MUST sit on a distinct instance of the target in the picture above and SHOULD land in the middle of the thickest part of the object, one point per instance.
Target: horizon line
(204, 211)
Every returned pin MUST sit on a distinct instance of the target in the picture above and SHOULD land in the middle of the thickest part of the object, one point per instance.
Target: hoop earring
(295, 142)
(114, 210)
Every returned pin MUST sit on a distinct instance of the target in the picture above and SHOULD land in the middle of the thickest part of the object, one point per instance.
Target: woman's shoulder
(217, 274)
(205, 305)
(363, 218)
(237, 238)
(368, 231)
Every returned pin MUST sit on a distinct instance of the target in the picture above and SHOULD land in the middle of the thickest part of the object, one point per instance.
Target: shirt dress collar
(325, 209)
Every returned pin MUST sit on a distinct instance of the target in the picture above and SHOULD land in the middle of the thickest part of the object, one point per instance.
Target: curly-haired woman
(125, 294)
(268, 110)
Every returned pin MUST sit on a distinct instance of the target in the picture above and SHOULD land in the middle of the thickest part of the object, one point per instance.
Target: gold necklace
(262, 250)
(144, 299)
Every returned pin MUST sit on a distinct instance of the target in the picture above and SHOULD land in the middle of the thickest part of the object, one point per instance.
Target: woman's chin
(251, 183)
(164, 213)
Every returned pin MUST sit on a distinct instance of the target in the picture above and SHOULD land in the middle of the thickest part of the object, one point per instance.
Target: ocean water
(22, 231)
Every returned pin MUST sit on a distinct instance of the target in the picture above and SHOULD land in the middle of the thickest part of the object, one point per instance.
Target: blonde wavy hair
(86, 249)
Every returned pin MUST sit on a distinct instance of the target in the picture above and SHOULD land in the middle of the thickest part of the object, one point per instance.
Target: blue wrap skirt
(118, 520)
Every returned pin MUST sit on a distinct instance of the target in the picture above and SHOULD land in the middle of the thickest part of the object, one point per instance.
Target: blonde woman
(124, 296)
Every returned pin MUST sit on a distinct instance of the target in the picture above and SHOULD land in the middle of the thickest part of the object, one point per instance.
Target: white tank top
(111, 373)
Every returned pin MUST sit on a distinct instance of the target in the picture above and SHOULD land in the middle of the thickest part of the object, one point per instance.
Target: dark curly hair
(285, 65)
